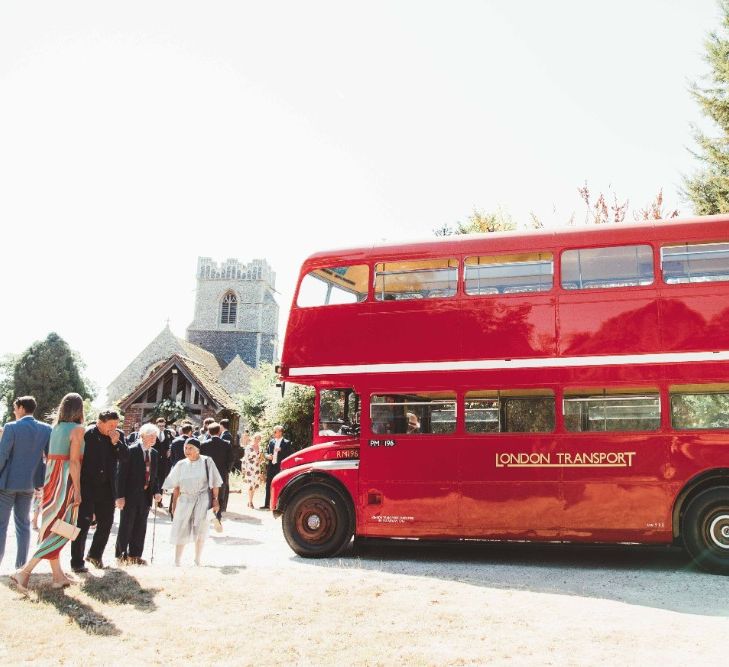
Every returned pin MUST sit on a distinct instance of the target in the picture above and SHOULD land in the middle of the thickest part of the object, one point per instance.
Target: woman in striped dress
(62, 489)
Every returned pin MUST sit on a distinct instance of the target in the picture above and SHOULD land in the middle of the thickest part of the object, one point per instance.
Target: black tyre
(705, 529)
(318, 522)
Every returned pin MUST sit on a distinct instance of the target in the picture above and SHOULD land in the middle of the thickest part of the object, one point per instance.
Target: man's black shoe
(264, 507)
(96, 562)
(80, 570)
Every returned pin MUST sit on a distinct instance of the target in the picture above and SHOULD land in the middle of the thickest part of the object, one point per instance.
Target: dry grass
(256, 604)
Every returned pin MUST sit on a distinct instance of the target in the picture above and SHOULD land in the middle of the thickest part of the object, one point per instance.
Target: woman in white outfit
(192, 480)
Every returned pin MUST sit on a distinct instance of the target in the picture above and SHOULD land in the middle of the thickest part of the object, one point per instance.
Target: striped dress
(57, 492)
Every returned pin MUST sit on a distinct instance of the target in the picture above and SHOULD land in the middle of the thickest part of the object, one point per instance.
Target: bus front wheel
(317, 522)
(705, 529)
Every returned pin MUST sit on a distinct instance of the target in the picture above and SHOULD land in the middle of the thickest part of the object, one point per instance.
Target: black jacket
(163, 445)
(221, 452)
(287, 449)
(131, 474)
(98, 469)
(177, 449)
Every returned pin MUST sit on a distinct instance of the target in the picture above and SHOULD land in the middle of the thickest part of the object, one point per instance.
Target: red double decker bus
(567, 386)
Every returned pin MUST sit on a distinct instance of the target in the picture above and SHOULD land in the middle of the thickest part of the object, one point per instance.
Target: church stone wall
(254, 335)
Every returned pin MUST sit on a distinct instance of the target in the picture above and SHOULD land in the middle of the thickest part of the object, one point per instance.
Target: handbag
(210, 491)
(65, 529)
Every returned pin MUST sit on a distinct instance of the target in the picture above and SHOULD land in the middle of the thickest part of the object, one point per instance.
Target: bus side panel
(616, 487)
(508, 326)
(411, 330)
(608, 322)
(694, 317)
(409, 489)
(321, 336)
(510, 490)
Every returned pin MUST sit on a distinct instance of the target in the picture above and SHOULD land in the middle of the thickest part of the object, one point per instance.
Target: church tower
(235, 311)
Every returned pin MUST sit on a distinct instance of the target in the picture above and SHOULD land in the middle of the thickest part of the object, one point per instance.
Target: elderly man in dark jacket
(221, 452)
(137, 485)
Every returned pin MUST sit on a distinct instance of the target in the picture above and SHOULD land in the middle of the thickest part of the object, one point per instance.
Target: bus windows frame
(590, 257)
(682, 260)
(334, 280)
(402, 270)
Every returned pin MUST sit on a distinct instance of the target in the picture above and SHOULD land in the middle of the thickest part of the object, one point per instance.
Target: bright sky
(136, 136)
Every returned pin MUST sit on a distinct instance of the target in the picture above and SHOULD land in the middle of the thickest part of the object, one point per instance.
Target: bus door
(408, 466)
(510, 485)
(615, 465)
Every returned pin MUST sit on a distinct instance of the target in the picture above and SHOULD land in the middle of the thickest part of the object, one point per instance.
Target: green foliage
(48, 370)
(263, 407)
(480, 223)
(7, 367)
(170, 410)
(708, 188)
(295, 412)
(261, 394)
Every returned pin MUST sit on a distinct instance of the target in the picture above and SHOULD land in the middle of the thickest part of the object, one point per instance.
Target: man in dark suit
(177, 446)
(22, 470)
(137, 486)
(177, 450)
(104, 447)
(225, 434)
(221, 452)
(164, 440)
(132, 437)
(277, 450)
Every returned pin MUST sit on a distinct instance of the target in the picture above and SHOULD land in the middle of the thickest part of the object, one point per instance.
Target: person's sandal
(16, 580)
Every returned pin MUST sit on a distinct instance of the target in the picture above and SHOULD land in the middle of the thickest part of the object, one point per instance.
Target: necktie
(146, 468)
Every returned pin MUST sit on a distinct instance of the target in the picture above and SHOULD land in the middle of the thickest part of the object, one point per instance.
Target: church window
(230, 309)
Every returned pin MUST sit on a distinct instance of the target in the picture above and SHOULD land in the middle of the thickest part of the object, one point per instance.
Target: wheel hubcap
(316, 520)
(719, 531)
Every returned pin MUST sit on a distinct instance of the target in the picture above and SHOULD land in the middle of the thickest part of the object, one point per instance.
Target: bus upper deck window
(618, 266)
(331, 286)
(420, 279)
(695, 262)
(508, 274)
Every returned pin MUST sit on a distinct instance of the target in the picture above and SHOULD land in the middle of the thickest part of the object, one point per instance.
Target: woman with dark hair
(62, 489)
(194, 482)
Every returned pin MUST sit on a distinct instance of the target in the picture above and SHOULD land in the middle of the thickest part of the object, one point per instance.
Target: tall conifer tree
(48, 370)
(708, 188)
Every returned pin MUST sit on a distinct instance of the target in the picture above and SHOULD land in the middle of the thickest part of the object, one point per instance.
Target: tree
(708, 188)
(48, 370)
(295, 412)
(480, 223)
(7, 366)
(261, 395)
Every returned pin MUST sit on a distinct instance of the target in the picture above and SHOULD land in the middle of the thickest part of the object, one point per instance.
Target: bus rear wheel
(317, 522)
(705, 530)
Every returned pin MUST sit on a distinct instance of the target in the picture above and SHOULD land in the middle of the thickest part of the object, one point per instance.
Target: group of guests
(82, 474)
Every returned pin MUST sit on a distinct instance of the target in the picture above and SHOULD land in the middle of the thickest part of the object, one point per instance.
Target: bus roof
(607, 234)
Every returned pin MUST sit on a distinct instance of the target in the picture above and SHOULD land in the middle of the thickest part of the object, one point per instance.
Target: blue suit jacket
(21, 454)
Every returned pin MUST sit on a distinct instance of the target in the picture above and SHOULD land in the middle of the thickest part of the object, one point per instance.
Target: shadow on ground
(659, 577)
(242, 518)
(118, 587)
(231, 541)
(84, 616)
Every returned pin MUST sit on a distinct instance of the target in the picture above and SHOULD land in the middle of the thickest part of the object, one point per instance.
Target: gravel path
(411, 603)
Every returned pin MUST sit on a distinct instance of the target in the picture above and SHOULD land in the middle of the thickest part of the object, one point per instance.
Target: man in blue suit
(22, 470)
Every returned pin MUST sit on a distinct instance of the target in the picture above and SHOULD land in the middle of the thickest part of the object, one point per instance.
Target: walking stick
(154, 531)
